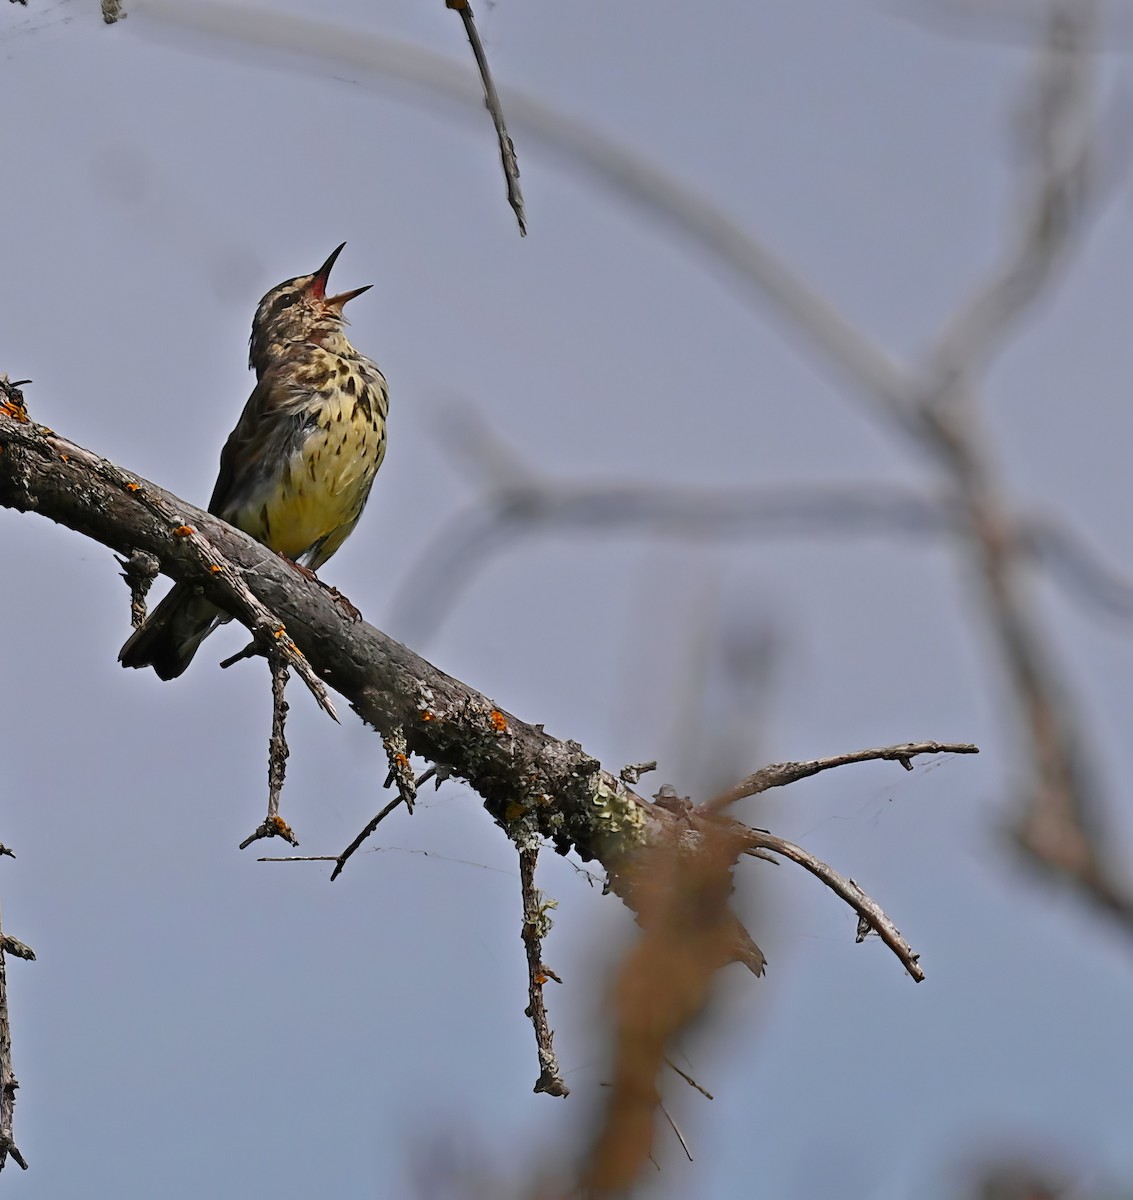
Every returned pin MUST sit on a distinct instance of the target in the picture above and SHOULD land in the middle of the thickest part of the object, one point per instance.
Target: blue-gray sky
(200, 1023)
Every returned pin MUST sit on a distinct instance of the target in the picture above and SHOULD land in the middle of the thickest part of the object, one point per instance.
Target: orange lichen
(133, 487)
(184, 531)
(65, 457)
(215, 569)
(514, 811)
(427, 716)
(499, 721)
(402, 762)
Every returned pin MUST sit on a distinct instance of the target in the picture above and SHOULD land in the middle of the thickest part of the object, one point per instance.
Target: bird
(296, 471)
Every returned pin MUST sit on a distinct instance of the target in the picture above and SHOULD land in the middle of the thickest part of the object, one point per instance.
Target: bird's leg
(347, 607)
(306, 572)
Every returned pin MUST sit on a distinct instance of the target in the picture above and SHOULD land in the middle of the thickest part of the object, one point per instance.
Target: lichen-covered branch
(536, 926)
(534, 785)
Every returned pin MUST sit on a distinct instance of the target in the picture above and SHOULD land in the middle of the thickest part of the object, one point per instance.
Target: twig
(252, 650)
(11, 397)
(17, 949)
(271, 827)
(298, 858)
(400, 771)
(8, 1081)
(673, 1127)
(274, 825)
(689, 1079)
(139, 571)
(631, 773)
(340, 860)
(781, 774)
(536, 926)
(495, 108)
(865, 906)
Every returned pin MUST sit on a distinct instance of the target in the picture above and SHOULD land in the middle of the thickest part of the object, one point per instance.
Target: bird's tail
(170, 635)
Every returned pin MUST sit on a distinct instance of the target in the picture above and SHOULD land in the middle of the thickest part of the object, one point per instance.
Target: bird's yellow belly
(323, 485)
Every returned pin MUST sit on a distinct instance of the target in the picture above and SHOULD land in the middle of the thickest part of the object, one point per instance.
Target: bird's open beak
(339, 300)
(319, 284)
(320, 277)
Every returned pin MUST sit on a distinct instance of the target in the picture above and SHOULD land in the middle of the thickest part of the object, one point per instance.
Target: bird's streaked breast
(308, 509)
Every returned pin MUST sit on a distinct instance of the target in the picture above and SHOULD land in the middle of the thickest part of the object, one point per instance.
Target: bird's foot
(306, 572)
(343, 602)
(347, 607)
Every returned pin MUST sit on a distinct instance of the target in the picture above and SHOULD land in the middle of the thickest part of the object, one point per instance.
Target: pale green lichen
(541, 921)
(619, 822)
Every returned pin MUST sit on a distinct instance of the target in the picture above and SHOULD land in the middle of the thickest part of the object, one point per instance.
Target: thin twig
(271, 827)
(689, 1079)
(274, 825)
(865, 906)
(631, 773)
(495, 108)
(139, 571)
(400, 770)
(12, 403)
(298, 858)
(781, 774)
(8, 1081)
(673, 1127)
(340, 860)
(277, 746)
(536, 925)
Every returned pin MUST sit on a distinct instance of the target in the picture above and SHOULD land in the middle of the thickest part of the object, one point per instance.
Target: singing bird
(296, 471)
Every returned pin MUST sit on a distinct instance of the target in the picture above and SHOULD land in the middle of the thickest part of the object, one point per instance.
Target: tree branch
(532, 784)
(780, 774)
(496, 110)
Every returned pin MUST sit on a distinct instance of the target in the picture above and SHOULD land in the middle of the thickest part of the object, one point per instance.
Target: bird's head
(299, 310)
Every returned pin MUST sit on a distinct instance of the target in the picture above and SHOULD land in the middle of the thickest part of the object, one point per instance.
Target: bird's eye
(287, 300)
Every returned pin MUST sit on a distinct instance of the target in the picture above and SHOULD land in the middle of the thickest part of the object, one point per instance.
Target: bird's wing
(260, 444)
